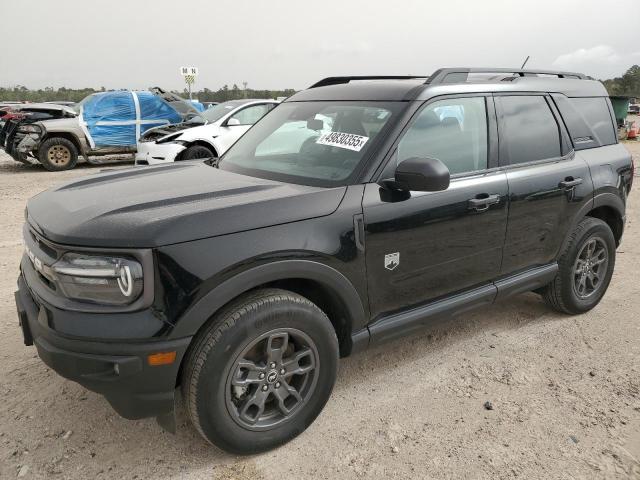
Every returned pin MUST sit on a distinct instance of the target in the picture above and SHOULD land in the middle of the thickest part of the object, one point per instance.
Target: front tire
(261, 371)
(57, 154)
(197, 151)
(586, 267)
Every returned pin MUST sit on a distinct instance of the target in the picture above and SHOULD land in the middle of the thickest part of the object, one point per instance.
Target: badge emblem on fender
(391, 260)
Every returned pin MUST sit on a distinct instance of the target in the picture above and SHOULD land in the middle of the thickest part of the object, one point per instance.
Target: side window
(116, 106)
(453, 131)
(595, 112)
(528, 129)
(250, 115)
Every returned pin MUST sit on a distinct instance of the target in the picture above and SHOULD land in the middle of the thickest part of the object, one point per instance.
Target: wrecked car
(104, 123)
(17, 121)
(207, 135)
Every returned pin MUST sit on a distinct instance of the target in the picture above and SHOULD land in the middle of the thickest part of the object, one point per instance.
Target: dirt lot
(565, 391)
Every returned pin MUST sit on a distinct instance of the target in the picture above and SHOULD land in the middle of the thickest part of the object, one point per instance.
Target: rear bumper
(117, 370)
(152, 153)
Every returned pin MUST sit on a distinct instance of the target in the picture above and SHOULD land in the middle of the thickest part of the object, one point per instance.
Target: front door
(423, 245)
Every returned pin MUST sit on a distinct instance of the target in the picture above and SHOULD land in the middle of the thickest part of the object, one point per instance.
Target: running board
(400, 324)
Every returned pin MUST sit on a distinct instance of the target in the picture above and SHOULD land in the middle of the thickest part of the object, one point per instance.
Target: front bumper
(152, 153)
(117, 370)
(23, 145)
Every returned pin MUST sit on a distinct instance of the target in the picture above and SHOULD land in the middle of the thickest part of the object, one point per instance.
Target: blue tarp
(119, 118)
(199, 106)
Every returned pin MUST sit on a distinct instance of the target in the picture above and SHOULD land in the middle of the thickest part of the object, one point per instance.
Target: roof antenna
(525, 62)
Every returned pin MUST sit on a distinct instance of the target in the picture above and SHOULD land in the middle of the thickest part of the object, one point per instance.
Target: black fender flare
(606, 199)
(198, 314)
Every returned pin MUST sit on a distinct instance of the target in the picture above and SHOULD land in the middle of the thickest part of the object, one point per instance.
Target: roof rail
(460, 75)
(340, 80)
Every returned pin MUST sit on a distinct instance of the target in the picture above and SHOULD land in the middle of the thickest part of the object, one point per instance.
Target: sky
(281, 44)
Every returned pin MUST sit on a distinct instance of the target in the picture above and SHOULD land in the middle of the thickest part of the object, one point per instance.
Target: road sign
(192, 71)
(189, 74)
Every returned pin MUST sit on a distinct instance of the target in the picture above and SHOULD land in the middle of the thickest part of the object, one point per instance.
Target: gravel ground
(565, 393)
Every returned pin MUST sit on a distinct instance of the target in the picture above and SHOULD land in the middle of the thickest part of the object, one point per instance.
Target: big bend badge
(391, 260)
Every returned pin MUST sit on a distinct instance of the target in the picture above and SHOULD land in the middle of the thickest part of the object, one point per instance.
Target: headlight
(99, 279)
(169, 138)
(29, 129)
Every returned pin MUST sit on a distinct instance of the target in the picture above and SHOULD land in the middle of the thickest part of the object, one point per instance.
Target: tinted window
(581, 135)
(528, 129)
(595, 112)
(453, 131)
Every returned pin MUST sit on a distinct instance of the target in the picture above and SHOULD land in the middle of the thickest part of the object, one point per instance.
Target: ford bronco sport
(357, 210)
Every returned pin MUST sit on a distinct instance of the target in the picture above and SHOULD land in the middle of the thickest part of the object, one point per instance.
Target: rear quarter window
(597, 116)
(588, 120)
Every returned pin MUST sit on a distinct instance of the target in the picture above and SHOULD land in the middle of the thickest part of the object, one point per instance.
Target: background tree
(628, 84)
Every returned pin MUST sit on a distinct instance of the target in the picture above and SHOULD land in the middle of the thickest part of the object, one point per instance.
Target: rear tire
(586, 267)
(57, 154)
(197, 151)
(243, 365)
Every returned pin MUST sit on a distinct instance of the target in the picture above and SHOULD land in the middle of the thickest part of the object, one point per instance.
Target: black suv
(358, 210)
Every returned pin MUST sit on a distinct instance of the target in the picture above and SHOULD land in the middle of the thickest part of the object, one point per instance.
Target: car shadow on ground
(23, 168)
(97, 425)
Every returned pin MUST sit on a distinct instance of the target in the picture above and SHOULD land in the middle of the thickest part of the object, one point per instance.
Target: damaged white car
(207, 135)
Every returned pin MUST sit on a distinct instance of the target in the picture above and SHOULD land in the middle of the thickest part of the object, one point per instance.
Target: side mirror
(422, 175)
(232, 122)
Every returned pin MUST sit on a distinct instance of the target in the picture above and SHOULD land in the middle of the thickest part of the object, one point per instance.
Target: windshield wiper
(212, 162)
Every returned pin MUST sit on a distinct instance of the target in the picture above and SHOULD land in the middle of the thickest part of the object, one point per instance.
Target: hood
(45, 107)
(155, 206)
(158, 132)
(182, 106)
(53, 109)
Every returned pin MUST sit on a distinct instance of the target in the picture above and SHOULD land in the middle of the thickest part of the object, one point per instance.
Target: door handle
(482, 202)
(570, 182)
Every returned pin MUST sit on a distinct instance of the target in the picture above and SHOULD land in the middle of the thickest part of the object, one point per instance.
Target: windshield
(214, 114)
(313, 143)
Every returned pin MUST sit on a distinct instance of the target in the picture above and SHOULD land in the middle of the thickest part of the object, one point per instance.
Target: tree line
(628, 84)
(22, 93)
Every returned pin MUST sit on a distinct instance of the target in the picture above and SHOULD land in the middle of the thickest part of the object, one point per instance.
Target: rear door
(425, 245)
(548, 182)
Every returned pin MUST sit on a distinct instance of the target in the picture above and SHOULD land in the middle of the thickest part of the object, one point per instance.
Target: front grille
(43, 255)
(48, 250)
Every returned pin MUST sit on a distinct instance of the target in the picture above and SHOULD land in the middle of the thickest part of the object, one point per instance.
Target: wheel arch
(202, 143)
(610, 208)
(321, 284)
(66, 135)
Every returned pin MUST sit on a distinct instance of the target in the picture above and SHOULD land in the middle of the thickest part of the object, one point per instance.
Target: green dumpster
(620, 108)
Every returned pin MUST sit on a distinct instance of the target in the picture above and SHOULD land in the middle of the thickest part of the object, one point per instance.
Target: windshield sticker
(349, 141)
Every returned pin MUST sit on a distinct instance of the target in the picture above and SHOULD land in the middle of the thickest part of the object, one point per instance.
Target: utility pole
(244, 84)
